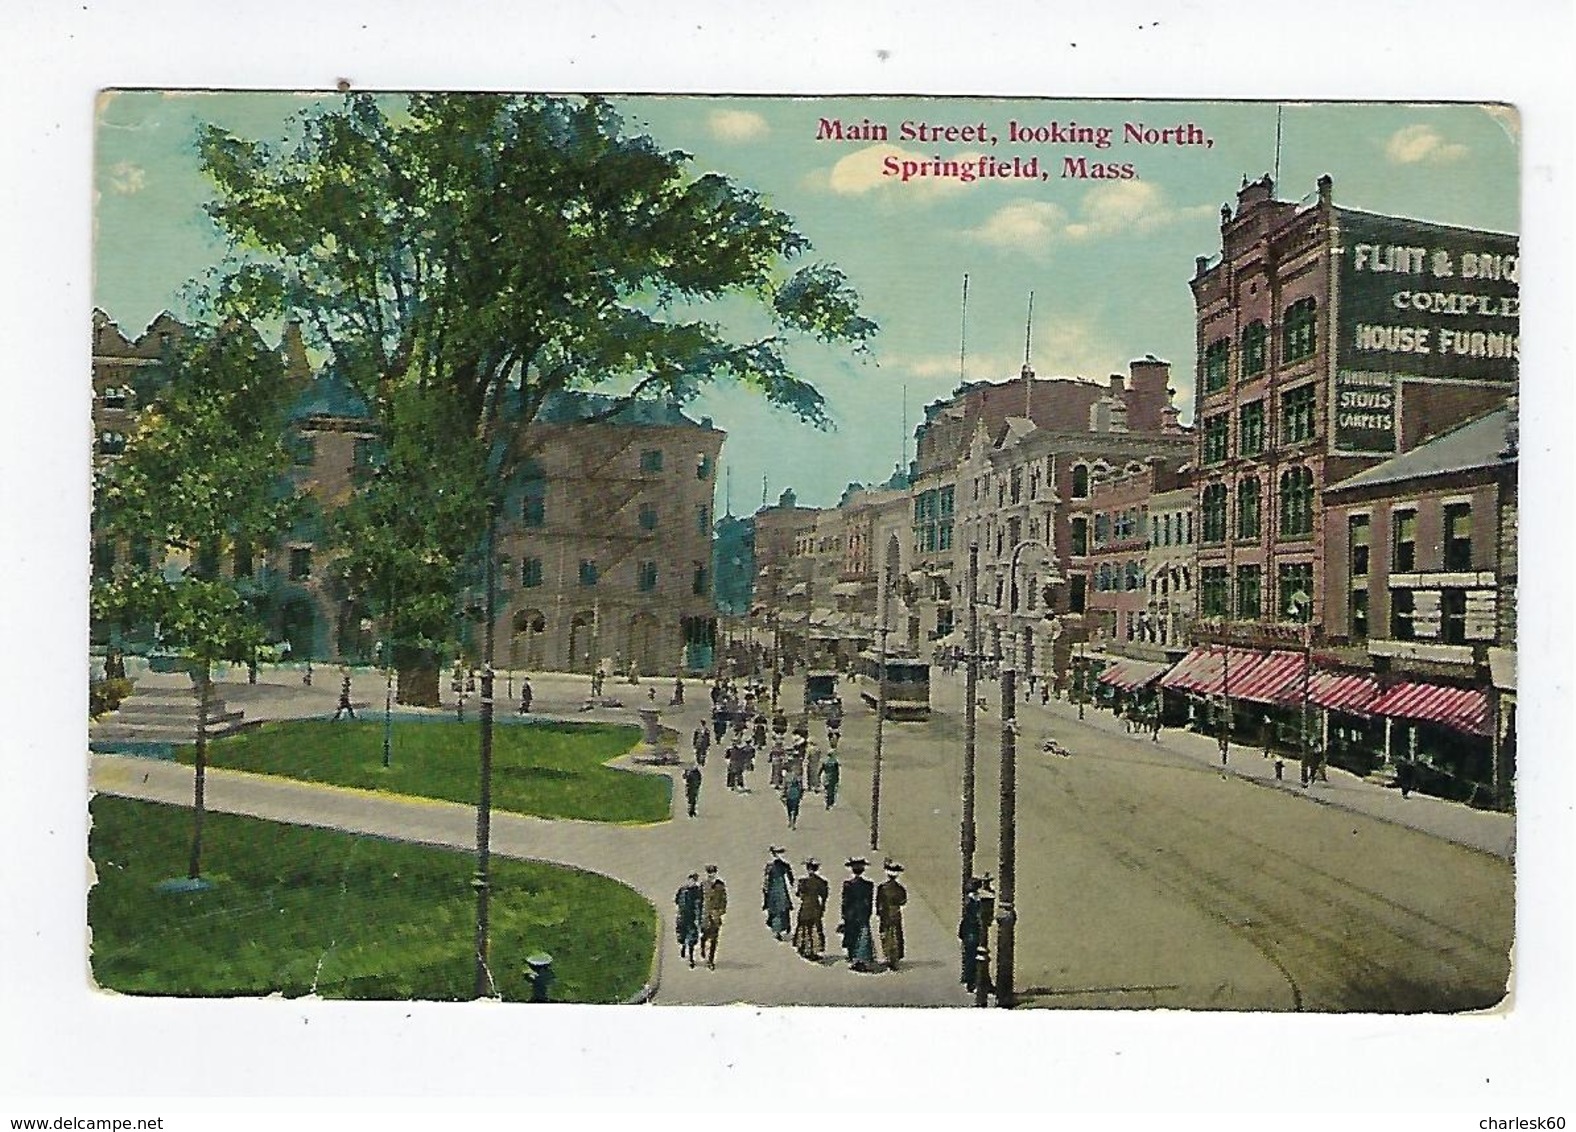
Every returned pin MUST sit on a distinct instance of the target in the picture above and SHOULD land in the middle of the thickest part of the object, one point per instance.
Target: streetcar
(907, 684)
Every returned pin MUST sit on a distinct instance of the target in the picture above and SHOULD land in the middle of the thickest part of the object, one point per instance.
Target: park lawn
(295, 910)
(550, 770)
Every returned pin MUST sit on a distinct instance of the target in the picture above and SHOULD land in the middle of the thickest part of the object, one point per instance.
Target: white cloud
(1027, 224)
(127, 178)
(1105, 210)
(737, 125)
(1411, 145)
(864, 170)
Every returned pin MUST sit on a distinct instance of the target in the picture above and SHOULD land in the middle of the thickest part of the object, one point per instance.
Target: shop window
(1458, 537)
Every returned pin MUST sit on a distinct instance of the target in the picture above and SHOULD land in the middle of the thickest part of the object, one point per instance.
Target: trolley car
(907, 684)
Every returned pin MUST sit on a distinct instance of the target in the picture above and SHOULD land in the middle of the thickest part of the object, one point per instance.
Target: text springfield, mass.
(971, 167)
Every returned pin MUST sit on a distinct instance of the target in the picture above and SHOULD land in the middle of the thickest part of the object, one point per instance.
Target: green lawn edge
(296, 910)
(542, 769)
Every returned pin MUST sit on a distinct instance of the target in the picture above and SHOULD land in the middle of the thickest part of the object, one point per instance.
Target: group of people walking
(797, 765)
(701, 906)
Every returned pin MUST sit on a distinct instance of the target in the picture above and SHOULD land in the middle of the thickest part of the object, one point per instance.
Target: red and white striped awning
(1266, 678)
(1461, 709)
(1199, 671)
(1351, 692)
(1129, 674)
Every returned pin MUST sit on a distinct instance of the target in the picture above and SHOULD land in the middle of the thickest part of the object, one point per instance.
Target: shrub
(106, 695)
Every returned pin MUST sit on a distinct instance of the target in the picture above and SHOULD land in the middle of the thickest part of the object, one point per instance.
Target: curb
(646, 994)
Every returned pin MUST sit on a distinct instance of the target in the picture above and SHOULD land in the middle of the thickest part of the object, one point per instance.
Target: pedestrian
(776, 884)
(812, 767)
(714, 905)
(759, 733)
(344, 696)
(1405, 776)
(689, 900)
(719, 721)
(678, 693)
(972, 927)
(525, 695)
(701, 741)
(854, 926)
(1320, 764)
(793, 794)
(776, 759)
(1045, 694)
(797, 757)
(777, 685)
(890, 898)
(831, 772)
(809, 937)
(692, 787)
(306, 677)
(1154, 720)
(634, 673)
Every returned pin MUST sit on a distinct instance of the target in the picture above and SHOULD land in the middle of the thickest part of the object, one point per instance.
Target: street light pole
(881, 683)
(1006, 913)
(971, 692)
(482, 882)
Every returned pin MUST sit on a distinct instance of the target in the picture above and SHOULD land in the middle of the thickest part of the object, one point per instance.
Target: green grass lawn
(551, 770)
(295, 910)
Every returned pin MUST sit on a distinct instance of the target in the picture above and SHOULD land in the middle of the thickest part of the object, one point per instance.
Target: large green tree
(496, 250)
(202, 478)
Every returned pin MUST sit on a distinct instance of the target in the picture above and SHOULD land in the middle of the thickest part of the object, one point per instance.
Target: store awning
(1199, 671)
(1351, 692)
(1461, 709)
(1265, 678)
(1130, 674)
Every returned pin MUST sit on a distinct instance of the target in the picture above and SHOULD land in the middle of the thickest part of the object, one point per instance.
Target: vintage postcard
(847, 551)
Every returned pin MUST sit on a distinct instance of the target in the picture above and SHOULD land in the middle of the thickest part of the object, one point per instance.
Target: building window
(1248, 508)
(588, 572)
(1297, 414)
(300, 563)
(141, 553)
(1080, 536)
(533, 507)
(1102, 529)
(1249, 597)
(1213, 591)
(702, 467)
(1217, 362)
(651, 460)
(115, 397)
(1254, 339)
(647, 581)
(531, 573)
(944, 536)
(303, 450)
(1216, 438)
(1360, 614)
(1016, 480)
(242, 565)
(1458, 537)
(1133, 577)
(1296, 591)
(1080, 481)
(1214, 509)
(1357, 543)
(1077, 593)
(701, 583)
(648, 517)
(112, 443)
(1250, 429)
(703, 521)
(1403, 543)
(1296, 502)
(1401, 622)
(1453, 611)
(1301, 320)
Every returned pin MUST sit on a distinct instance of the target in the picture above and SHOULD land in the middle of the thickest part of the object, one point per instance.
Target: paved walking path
(732, 830)
(1486, 830)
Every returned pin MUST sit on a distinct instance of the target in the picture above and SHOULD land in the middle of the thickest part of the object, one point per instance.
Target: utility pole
(971, 692)
(881, 684)
(481, 882)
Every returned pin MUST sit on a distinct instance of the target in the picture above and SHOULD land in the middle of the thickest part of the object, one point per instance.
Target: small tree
(203, 473)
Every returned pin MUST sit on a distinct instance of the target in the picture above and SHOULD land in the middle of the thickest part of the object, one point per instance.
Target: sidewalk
(1486, 830)
(732, 831)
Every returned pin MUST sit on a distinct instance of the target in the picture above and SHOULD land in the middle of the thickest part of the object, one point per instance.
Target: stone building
(606, 552)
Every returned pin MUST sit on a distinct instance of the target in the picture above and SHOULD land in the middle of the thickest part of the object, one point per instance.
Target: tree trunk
(418, 677)
(194, 865)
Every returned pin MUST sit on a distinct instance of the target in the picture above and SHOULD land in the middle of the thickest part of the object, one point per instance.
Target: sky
(1107, 260)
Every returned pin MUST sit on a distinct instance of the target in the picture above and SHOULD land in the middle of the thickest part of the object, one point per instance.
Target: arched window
(1080, 481)
(1254, 339)
(1296, 502)
(1298, 337)
(1248, 508)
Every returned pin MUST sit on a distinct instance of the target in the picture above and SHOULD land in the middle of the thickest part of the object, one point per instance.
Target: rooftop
(1479, 443)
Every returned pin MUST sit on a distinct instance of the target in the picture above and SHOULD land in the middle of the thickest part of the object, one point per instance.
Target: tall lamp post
(887, 570)
(1300, 606)
(1006, 914)
(966, 834)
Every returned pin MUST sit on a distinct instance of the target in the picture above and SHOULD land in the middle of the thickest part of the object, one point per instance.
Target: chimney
(1200, 265)
(1118, 384)
(1326, 187)
(1170, 424)
(1118, 412)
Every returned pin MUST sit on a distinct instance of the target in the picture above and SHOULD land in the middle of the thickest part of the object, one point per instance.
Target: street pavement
(732, 830)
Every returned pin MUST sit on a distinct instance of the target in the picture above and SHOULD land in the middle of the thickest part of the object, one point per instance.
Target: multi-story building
(608, 543)
(1418, 573)
(1169, 568)
(1113, 545)
(1328, 339)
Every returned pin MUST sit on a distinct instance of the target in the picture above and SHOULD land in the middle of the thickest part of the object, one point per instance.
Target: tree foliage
(202, 474)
